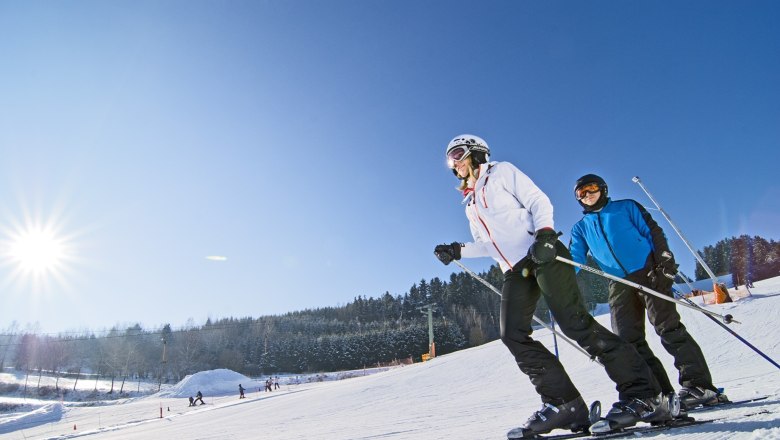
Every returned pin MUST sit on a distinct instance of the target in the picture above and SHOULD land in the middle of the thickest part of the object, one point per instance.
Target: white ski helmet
(475, 146)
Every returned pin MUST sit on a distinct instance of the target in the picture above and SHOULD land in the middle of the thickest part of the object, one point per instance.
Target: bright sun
(36, 256)
(37, 250)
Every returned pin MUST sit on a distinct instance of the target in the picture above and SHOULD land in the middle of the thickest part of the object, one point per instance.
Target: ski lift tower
(162, 364)
(428, 309)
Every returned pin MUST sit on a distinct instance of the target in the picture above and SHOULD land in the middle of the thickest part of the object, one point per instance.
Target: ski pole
(496, 291)
(696, 255)
(741, 339)
(685, 279)
(555, 339)
(728, 319)
(733, 333)
(688, 303)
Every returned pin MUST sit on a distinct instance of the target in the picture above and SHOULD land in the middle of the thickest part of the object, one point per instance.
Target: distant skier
(240, 391)
(192, 401)
(198, 397)
(276, 383)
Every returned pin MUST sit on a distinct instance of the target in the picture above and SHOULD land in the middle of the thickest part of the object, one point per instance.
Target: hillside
(472, 394)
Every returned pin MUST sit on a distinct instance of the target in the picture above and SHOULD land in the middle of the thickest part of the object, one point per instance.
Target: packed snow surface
(477, 393)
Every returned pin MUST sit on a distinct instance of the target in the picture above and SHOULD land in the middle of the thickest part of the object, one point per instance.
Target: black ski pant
(522, 288)
(627, 307)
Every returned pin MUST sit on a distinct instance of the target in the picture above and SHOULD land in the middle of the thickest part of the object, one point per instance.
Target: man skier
(626, 242)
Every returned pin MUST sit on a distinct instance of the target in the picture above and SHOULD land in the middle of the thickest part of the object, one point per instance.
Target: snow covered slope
(473, 394)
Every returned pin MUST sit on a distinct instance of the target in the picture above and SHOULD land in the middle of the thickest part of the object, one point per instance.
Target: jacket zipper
(484, 199)
(479, 217)
(495, 245)
(609, 245)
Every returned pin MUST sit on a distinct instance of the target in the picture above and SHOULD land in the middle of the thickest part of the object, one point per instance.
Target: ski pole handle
(728, 319)
(539, 321)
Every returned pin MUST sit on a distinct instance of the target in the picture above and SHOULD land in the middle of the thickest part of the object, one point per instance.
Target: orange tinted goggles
(591, 188)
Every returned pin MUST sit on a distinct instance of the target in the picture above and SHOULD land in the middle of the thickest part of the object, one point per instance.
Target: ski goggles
(590, 188)
(457, 154)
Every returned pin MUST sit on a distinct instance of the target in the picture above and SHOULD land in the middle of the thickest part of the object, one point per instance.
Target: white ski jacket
(504, 211)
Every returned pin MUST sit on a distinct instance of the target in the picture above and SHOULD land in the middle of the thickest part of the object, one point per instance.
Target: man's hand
(447, 252)
(663, 273)
(543, 248)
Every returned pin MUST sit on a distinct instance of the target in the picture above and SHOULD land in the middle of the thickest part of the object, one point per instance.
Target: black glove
(543, 249)
(448, 252)
(662, 275)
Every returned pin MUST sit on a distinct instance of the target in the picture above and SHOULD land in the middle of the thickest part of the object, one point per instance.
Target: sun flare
(37, 256)
(37, 250)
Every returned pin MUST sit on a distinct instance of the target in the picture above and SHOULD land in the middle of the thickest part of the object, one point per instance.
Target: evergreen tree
(744, 257)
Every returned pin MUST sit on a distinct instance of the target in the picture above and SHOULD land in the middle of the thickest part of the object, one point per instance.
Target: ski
(625, 432)
(726, 404)
(638, 430)
(582, 435)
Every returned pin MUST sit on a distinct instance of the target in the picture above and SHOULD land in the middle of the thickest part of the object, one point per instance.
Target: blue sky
(304, 140)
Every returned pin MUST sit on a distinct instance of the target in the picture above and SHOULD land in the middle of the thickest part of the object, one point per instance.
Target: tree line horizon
(366, 332)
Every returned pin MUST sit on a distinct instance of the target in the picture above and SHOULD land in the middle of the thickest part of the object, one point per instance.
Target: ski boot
(626, 413)
(572, 415)
(692, 397)
(676, 411)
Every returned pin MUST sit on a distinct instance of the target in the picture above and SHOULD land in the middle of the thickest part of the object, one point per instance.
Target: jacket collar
(598, 207)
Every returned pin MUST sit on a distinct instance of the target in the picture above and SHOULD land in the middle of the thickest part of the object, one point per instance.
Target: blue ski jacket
(621, 236)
